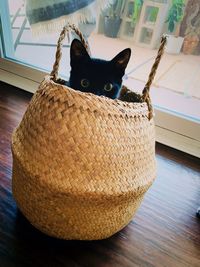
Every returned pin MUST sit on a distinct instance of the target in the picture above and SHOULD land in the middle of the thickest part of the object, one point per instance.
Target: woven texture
(81, 162)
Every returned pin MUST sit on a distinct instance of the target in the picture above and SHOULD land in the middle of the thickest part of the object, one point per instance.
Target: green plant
(175, 14)
(115, 9)
(153, 14)
(136, 10)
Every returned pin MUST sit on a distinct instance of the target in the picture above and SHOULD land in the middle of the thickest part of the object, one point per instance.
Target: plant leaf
(171, 26)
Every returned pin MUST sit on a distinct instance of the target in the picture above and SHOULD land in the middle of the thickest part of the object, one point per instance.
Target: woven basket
(81, 162)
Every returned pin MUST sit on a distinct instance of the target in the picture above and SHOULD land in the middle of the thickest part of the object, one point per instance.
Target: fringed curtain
(51, 15)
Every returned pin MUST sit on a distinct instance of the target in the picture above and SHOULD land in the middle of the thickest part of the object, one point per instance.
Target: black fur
(95, 75)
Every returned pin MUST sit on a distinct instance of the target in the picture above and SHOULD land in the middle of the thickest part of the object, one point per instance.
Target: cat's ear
(78, 52)
(121, 60)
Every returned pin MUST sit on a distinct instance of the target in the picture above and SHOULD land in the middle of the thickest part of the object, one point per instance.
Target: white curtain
(51, 15)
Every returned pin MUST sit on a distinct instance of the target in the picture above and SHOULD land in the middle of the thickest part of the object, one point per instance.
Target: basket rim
(66, 87)
(91, 101)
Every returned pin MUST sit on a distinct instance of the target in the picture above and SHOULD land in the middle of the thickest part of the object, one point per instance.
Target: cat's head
(97, 76)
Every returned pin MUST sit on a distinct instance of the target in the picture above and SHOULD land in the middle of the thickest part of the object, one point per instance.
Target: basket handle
(145, 92)
(64, 32)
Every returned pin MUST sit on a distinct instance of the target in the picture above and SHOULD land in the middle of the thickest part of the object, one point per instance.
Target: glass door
(18, 44)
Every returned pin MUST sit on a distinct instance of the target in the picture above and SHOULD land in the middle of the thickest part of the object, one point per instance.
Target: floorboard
(164, 232)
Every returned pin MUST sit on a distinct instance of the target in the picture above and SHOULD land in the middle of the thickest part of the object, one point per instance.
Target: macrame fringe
(83, 15)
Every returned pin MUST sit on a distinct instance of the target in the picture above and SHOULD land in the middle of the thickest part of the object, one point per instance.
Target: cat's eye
(108, 87)
(85, 83)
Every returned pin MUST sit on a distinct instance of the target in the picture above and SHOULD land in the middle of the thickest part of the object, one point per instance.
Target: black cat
(97, 76)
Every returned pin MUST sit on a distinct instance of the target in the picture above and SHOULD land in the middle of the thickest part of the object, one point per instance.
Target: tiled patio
(176, 85)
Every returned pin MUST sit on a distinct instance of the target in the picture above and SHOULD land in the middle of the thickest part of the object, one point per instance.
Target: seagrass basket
(82, 163)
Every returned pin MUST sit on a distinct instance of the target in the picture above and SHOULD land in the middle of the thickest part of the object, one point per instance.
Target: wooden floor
(164, 232)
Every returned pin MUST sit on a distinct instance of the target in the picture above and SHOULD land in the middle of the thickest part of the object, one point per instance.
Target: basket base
(57, 215)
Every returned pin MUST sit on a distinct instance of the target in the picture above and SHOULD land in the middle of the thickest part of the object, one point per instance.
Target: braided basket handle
(145, 92)
(64, 32)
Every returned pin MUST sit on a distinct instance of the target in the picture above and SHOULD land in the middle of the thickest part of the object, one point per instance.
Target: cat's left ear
(121, 60)
(78, 52)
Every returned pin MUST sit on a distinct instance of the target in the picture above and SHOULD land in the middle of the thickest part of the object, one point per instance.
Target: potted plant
(137, 6)
(112, 20)
(175, 16)
(192, 33)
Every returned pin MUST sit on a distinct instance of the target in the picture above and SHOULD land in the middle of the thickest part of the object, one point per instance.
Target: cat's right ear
(77, 52)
